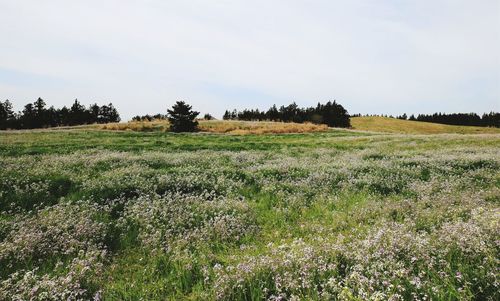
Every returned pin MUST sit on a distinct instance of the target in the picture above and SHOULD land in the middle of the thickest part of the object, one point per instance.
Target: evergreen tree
(113, 114)
(273, 114)
(77, 113)
(182, 118)
(28, 118)
(64, 116)
(7, 116)
(109, 114)
(94, 114)
(40, 116)
(335, 115)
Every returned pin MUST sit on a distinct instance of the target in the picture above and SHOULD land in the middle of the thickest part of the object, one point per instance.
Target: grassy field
(330, 215)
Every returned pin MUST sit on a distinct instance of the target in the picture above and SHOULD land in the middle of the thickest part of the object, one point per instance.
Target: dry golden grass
(258, 127)
(137, 126)
(392, 125)
(219, 126)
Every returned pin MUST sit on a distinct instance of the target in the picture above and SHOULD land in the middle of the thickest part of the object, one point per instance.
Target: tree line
(472, 119)
(491, 119)
(149, 117)
(331, 113)
(38, 115)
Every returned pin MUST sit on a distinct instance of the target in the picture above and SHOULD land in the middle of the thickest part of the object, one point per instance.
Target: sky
(372, 56)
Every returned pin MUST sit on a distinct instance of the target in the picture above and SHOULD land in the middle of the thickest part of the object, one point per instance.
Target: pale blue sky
(373, 56)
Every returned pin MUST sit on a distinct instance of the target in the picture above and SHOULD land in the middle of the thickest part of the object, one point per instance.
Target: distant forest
(331, 113)
(491, 119)
(38, 115)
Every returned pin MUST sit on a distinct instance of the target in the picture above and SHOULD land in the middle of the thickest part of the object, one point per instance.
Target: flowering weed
(333, 215)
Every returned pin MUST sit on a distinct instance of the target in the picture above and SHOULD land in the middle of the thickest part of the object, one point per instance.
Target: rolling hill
(393, 125)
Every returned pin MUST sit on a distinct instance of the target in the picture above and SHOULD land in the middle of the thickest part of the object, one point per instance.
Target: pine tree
(7, 116)
(108, 114)
(94, 113)
(28, 117)
(40, 118)
(273, 113)
(182, 118)
(77, 113)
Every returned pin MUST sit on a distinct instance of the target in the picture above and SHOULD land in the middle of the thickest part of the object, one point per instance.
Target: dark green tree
(182, 118)
(273, 113)
(77, 113)
(64, 116)
(7, 116)
(40, 113)
(28, 118)
(94, 113)
(52, 117)
(108, 114)
(334, 115)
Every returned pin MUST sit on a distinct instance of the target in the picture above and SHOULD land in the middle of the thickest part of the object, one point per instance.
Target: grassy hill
(392, 125)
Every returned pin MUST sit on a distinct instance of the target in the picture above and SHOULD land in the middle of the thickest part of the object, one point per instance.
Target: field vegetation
(217, 126)
(89, 214)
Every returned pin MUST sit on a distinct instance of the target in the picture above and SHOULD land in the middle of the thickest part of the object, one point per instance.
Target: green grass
(66, 141)
(211, 216)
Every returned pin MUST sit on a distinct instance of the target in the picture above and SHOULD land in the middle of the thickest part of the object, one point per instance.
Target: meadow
(110, 214)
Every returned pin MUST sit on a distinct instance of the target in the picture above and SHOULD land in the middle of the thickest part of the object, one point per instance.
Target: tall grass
(216, 126)
(259, 127)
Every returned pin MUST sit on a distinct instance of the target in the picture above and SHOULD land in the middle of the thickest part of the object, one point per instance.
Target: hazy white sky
(373, 56)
